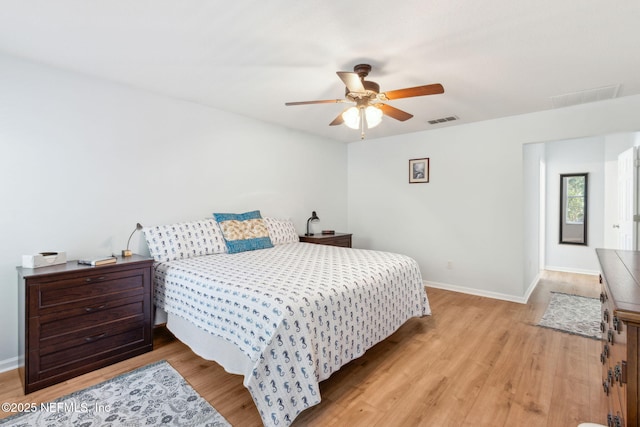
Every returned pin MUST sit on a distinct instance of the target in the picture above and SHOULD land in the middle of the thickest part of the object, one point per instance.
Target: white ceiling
(495, 58)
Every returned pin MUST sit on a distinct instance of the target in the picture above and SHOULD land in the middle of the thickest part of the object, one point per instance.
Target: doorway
(626, 225)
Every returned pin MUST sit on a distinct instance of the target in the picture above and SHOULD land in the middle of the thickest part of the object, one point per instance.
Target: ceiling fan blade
(337, 121)
(394, 112)
(432, 89)
(324, 101)
(351, 81)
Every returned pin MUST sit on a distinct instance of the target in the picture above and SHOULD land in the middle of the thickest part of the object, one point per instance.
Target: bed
(288, 316)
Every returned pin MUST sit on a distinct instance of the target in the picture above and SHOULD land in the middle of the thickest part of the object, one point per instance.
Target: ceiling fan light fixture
(351, 117)
(365, 94)
(373, 115)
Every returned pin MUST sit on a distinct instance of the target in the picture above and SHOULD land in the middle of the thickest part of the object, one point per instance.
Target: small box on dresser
(620, 326)
(77, 318)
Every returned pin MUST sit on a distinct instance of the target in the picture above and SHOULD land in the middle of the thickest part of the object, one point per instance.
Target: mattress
(288, 317)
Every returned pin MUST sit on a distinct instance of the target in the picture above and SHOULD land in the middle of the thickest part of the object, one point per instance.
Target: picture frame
(419, 170)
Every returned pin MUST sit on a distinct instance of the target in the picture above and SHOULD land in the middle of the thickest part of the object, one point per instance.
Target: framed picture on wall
(418, 170)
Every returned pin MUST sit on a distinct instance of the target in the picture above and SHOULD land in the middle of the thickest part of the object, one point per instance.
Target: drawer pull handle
(617, 373)
(91, 279)
(96, 337)
(616, 324)
(92, 309)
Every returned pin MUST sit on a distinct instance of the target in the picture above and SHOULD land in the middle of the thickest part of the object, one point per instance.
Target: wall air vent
(443, 120)
(584, 96)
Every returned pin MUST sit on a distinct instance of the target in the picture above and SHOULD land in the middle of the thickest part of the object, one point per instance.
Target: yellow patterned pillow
(244, 232)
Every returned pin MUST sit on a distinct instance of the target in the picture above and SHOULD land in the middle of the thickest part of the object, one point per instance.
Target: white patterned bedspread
(299, 311)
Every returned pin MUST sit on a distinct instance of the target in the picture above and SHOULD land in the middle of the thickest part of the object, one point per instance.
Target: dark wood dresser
(77, 318)
(337, 239)
(620, 326)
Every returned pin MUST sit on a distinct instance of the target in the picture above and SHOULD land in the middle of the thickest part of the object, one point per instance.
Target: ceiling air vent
(443, 120)
(584, 96)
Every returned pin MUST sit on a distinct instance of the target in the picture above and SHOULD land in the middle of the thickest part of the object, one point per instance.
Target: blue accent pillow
(244, 232)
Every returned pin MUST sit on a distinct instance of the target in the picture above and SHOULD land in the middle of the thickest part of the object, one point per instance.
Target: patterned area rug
(152, 395)
(573, 314)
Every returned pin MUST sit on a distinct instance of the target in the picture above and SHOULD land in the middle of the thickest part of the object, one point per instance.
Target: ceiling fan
(369, 102)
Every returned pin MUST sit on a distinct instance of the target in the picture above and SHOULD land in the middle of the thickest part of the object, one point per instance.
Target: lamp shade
(373, 115)
(351, 117)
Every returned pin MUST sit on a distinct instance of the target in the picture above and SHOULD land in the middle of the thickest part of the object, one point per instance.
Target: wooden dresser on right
(620, 326)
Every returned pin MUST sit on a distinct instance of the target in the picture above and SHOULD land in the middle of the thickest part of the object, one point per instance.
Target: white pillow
(184, 240)
(281, 231)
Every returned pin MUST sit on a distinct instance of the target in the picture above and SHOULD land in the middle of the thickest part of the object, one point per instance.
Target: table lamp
(127, 252)
(313, 217)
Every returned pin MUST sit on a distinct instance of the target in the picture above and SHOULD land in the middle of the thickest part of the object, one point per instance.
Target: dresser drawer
(61, 364)
(56, 325)
(338, 239)
(85, 336)
(82, 292)
(343, 241)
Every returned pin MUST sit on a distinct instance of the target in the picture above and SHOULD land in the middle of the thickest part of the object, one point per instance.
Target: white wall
(471, 213)
(534, 219)
(468, 216)
(575, 156)
(83, 160)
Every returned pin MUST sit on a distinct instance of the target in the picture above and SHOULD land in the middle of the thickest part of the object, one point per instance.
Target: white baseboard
(572, 270)
(478, 292)
(532, 287)
(496, 295)
(9, 364)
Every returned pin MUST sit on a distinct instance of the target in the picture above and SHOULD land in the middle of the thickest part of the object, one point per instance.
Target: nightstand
(78, 318)
(337, 239)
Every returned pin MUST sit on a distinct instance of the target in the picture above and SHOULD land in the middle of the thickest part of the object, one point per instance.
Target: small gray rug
(152, 395)
(573, 314)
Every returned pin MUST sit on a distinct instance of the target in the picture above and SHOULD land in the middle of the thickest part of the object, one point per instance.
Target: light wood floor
(474, 362)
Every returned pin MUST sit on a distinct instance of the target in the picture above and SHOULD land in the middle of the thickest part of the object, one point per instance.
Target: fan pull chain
(361, 123)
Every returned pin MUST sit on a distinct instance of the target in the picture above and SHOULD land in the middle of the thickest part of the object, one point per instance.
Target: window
(575, 199)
